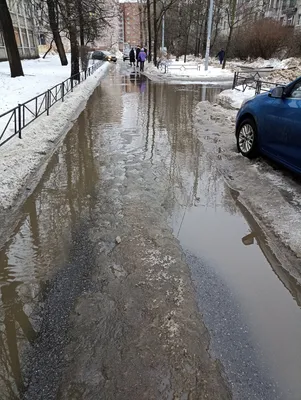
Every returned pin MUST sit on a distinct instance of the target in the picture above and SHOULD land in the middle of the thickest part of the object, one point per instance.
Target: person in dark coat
(221, 56)
(132, 57)
(137, 54)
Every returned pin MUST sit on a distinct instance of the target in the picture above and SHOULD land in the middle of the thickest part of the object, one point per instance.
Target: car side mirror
(248, 239)
(277, 92)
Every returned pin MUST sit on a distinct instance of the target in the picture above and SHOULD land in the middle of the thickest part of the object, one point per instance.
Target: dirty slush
(108, 319)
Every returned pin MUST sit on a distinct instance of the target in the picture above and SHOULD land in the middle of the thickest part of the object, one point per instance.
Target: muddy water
(250, 305)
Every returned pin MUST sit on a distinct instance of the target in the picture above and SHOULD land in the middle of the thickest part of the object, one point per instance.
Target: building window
(17, 35)
(31, 40)
(299, 19)
(42, 39)
(25, 38)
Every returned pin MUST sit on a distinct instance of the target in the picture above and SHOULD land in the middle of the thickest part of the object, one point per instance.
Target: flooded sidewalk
(86, 316)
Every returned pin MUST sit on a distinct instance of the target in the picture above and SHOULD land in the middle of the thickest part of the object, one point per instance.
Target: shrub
(264, 38)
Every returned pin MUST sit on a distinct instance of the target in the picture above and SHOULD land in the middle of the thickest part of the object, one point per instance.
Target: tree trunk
(50, 47)
(7, 28)
(149, 28)
(155, 32)
(83, 49)
(196, 49)
(55, 31)
(233, 14)
(81, 23)
(74, 53)
(227, 46)
(187, 36)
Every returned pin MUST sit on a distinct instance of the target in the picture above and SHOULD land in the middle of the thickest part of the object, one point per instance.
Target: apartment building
(109, 38)
(284, 11)
(132, 31)
(298, 15)
(23, 21)
(288, 12)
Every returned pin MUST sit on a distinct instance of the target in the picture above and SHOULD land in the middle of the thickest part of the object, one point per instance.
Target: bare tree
(149, 28)
(155, 22)
(238, 13)
(7, 28)
(54, 25)
(232, 21)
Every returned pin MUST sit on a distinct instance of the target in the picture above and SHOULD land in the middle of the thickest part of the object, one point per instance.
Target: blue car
(270, 124)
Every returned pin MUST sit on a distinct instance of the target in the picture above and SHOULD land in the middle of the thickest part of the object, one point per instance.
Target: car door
(291, 122)
(281, 121)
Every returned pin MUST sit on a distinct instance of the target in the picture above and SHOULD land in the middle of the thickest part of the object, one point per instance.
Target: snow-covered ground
(192, 71)
(272, 195)
(19, 159)
(281, 72)
(40, 75)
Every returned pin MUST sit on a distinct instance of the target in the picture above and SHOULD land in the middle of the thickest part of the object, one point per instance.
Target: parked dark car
(103, 55)
(270, 124)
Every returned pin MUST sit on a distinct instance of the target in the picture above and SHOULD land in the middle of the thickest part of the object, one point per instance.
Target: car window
(296, 91)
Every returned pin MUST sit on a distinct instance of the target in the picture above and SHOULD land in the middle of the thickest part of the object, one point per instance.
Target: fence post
(20, 121)
(62, 90)
(47, 101)
(234, 81)
(258, 87)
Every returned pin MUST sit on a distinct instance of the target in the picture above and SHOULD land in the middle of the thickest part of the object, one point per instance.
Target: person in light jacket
(141, 59)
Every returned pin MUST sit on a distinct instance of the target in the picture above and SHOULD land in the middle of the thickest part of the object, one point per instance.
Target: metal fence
(16, 119)
(252, 79)
(165, 67)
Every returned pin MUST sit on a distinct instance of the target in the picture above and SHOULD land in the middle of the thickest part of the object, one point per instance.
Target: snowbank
(272, 196)
(179, 71)
(20, 159)
(234, 98)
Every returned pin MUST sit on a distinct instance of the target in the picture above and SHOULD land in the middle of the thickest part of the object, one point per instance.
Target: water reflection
(256, 236)
(155, 122)
(40, 245)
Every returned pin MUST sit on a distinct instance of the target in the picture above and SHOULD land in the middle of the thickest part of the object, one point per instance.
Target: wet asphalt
(49, 260)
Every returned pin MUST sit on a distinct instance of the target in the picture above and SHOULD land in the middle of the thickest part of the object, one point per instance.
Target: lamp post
(210, 17)
(163, 31)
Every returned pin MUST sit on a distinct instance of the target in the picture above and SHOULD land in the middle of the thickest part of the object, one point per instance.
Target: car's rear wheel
(247, 140)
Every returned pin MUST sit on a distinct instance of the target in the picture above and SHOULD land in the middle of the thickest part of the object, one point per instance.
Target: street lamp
(163, 29)
(210, 17)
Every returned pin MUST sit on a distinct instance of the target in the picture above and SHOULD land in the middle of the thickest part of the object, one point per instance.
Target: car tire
(247, 138)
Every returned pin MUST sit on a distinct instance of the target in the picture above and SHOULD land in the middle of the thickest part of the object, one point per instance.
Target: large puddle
(250, 305)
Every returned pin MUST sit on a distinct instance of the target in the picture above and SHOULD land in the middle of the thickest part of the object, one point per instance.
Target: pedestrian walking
(132, 57)
(137, 54)
(221, 56)
(141, 59)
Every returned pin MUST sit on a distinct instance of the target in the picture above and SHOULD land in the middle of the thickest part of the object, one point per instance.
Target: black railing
(16, 119)
(252, 79)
